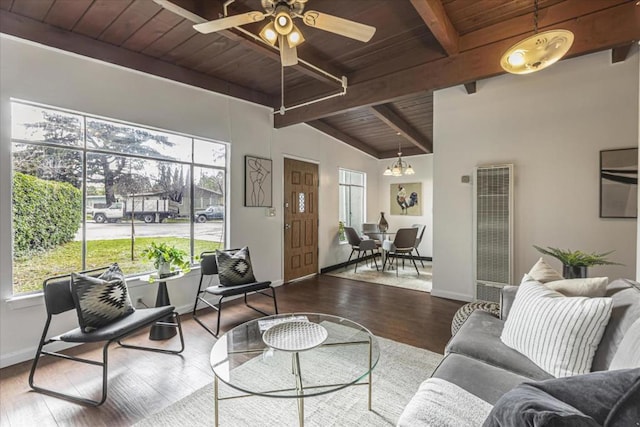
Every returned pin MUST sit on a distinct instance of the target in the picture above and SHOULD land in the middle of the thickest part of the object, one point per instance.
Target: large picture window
(352, 191)
(90, 191)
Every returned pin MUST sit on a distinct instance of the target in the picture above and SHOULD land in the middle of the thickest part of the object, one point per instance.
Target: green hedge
(45, 214)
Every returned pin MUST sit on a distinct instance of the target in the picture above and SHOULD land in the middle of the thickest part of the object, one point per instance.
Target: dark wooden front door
(300, 219)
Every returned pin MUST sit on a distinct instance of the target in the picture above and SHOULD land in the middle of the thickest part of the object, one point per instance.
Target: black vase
(383, 225)
(574, 271)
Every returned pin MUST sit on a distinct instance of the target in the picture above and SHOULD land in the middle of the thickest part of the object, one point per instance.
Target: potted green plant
(575, 263)
(166, 258)
(341, 236)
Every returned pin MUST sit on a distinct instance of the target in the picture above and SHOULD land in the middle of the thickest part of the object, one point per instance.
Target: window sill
(36, 299)
(24, 301)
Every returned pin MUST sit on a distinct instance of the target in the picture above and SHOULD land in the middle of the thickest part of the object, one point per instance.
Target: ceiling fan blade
(343, 27)
(229, 22)
(172, 7)
(288, 55)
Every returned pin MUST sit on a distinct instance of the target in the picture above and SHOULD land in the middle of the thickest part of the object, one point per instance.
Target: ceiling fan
(281, 29)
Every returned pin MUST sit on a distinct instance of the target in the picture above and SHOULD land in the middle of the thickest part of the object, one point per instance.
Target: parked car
(212, 212)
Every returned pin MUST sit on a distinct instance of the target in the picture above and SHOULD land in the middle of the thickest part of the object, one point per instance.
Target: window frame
(84, 149)
(349, 186)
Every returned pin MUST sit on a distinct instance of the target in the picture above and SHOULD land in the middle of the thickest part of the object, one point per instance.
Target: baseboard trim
(368, 257)
(451, 295)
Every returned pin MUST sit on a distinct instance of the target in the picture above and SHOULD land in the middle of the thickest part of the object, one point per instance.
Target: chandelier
(538, 51)
(399, 167)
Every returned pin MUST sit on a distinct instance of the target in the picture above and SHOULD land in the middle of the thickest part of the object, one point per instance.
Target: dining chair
(360, 245)
(403, 244)
(372, 230)
(421, 228)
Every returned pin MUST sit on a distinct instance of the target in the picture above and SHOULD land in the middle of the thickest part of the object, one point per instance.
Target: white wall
(423, 166)
(551, 125)
(43, 75)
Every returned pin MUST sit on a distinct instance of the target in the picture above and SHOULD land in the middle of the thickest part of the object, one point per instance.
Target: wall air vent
(492, 230)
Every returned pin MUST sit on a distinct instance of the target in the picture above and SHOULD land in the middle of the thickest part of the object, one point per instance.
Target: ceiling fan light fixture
(269, 34)
(283, 23)
(295, 37)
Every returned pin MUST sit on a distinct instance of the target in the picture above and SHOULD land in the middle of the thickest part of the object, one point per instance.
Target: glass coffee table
(295, 356)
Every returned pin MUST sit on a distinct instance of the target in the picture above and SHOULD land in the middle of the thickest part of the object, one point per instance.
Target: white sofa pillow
(558, 333)
(543, 272)
(586, 287)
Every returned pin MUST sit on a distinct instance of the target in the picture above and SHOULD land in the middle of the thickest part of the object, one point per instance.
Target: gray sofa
(477, 361)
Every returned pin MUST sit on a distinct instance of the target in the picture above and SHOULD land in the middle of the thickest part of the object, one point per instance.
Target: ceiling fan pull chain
(282, 109)
(535, 16)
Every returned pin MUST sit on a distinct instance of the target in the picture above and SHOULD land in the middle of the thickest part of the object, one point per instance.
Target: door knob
(287, 226)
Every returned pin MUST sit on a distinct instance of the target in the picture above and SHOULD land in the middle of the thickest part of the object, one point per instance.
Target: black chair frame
(209, 267)
(58, 299)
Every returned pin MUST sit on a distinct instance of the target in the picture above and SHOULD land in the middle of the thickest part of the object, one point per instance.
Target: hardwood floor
(142, 383)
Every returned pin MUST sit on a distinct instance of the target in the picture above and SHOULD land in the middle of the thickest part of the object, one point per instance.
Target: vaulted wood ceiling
(419, 46)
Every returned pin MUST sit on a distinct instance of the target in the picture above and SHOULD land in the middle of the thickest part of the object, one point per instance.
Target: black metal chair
(58, 299)
(403, 244)
(359, 245)
(209, 269)
(421, 228)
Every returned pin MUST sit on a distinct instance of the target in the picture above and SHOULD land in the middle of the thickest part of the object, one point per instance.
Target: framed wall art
(406, 199)
(257, 182)
(619, 183)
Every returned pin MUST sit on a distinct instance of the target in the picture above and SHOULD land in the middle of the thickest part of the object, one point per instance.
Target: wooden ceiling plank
(34, 9)
(523, 25)
(620, 53)
(100, 15)
(160, 24)
(129, 22)
(66, 13)
(335, 133)
(39, 32)
(435, 17)
(605, 29)
(6, 4)
(398, 124)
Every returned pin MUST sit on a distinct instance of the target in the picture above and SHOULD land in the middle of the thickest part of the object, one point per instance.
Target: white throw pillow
(543, 272)
(557, 333)
(592, 287)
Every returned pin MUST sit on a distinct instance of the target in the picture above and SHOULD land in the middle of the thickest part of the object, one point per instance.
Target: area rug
(400, 371)
(407, 277)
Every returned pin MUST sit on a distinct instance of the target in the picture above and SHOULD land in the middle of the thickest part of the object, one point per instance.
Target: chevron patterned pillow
(100, 300)
(234, 268)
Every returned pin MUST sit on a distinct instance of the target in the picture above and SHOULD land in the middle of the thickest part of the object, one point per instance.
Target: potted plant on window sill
(167, 258)
(576, 263)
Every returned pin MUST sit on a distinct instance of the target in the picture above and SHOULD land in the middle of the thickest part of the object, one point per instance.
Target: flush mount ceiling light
(538, 51)
(399, 167)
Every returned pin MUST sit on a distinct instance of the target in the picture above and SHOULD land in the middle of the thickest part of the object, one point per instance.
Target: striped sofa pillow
(560, 334)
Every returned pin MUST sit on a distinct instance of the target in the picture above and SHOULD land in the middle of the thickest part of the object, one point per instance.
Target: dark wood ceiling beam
(601, 30)
(213, 10)
(523, 24)
(433, 14)
(39, 32)
(398, 124)
(620, 53)
(471, 88)
(335, 133)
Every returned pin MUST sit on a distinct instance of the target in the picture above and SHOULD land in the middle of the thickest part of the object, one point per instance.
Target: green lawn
(29, 272)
